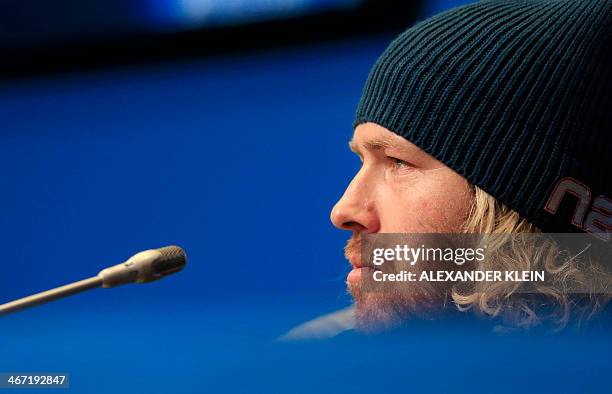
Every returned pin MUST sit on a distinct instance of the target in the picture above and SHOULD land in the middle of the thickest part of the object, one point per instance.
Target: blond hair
(551, 303)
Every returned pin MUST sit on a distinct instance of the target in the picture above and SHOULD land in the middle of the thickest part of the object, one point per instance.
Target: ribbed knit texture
(513, 95)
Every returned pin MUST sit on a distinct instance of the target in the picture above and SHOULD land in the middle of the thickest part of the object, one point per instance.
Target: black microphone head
(173, 259)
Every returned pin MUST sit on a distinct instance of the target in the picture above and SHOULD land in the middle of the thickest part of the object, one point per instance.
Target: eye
(399, 163)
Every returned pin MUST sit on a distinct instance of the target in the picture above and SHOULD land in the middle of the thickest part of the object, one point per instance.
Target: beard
(392, 304)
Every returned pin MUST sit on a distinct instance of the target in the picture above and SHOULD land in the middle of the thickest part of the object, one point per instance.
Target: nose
(356, 210)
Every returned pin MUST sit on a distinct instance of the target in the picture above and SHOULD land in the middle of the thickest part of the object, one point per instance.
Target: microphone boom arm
(143, 267)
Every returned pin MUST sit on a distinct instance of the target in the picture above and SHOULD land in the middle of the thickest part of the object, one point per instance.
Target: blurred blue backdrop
(238, 159)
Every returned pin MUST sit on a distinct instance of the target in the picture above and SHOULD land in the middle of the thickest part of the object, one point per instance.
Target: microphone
(143, 267)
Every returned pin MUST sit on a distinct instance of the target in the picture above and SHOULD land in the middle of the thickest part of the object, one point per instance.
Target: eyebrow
(373, 144)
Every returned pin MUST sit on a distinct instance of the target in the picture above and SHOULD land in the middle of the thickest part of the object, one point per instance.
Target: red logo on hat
(597, 221)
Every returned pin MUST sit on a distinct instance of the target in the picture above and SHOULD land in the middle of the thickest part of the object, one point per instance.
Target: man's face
(399, 189)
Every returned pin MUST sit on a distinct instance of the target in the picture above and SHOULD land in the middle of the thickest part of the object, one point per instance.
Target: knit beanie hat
(515, 96)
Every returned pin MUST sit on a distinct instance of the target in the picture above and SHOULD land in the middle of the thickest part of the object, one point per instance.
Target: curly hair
(510, 251)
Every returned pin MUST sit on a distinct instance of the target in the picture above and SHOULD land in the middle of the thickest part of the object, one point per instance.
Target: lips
(355, 260)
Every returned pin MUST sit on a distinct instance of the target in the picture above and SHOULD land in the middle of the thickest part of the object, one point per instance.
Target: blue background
(238, 159)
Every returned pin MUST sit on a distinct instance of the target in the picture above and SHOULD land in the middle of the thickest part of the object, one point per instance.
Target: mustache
(353, 246)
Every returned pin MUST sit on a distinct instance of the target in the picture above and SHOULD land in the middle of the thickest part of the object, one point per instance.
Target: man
(491, 117)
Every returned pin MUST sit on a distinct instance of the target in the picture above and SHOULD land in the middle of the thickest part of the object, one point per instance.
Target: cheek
(450, 203)
(449, 211)
(438, 204)
(406, 212)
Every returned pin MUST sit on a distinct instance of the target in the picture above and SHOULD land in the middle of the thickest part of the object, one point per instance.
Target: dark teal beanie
(513, 95)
